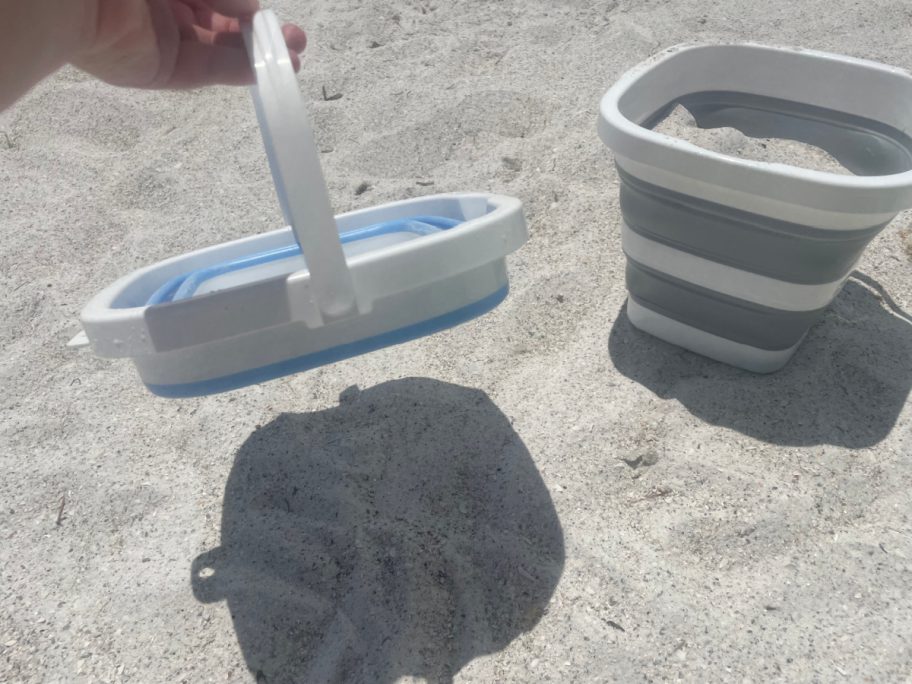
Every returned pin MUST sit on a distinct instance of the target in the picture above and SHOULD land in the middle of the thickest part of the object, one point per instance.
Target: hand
(171, 43)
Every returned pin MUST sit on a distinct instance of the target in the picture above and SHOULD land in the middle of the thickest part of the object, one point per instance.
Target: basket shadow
(846, 385)
(403, 533)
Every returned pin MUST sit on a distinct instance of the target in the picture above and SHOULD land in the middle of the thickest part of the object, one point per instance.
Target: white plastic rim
(815, 198)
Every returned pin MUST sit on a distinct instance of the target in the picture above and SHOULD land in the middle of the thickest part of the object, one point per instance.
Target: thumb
(234, 8)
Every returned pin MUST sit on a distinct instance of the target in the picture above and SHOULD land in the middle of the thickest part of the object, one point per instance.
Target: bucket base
(706, 344)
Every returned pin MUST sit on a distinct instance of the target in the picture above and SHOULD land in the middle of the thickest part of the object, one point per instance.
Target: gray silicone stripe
(777, 249)
(721, 315)
(864, 146)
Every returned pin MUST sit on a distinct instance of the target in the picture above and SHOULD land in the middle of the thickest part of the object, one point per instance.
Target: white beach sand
(680, 124)
(544, 494)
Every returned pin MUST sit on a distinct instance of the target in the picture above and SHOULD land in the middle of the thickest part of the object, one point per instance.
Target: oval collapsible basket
(325, 289)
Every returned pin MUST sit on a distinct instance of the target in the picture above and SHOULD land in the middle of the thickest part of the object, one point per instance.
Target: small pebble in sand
(680, 124)
(650, 458)
(512, 163)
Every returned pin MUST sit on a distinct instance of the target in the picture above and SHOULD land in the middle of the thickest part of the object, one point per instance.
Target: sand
(544, 494)
(680, 124)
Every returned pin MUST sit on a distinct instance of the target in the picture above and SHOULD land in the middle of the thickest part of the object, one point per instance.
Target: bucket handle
(295, 165)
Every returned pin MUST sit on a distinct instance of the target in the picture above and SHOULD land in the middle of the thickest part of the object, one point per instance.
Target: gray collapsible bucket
(736, 259)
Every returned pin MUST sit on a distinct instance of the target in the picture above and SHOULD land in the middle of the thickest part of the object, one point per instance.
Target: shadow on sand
(404, 532)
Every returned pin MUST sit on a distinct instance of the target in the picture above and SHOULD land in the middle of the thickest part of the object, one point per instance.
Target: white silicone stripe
(751, 202)
(707, 344)
(734, 282)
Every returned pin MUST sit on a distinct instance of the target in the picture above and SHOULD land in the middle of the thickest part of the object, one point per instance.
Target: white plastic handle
(298, 177)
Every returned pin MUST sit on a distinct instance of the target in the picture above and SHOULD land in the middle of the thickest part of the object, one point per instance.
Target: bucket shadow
(846, 385)
(404, 532)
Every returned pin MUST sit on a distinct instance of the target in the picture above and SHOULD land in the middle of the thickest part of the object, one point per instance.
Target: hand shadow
(846, 385)
(404, 532)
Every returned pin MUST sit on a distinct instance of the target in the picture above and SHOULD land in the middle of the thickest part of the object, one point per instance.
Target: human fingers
(208, 63)
(234, 8)
(235, 41)
(295, 38)
(294, 35)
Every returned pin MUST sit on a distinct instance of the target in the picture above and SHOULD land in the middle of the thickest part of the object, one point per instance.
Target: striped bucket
(737, 259)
